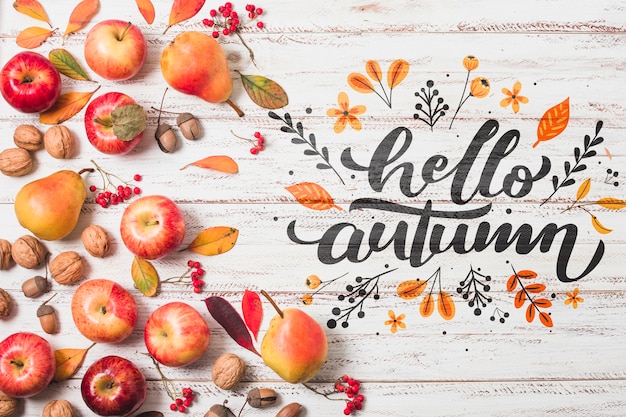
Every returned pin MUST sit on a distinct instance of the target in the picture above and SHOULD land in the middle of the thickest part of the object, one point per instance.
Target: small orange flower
(307, 299)
(513, 97)
(395, 322)
(479, 87)
(346, 114)
(573, 298)
(313, 281)
(470, 62)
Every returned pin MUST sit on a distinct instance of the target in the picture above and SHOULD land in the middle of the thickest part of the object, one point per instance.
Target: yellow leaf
(583, 190)
(68, 361)
(313, 196)
(81, 15)
(611, 203)
(412, 288)
(65, 107)
(67, 65)
(598, 226)
(221, 163)
(553, 122)
(427, 306)
(445, 306)
(32, 37)
(146, 8)
(33, 9)
(214, 241)
(373, 70)
(360, 83)
(145, 277)
(183, 10)
(397, 72)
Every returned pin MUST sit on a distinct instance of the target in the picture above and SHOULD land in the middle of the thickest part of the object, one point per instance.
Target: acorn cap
(184, 117)
(165, 137)
(44, 310)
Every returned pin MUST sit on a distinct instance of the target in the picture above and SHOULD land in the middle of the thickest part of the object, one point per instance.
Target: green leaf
(145, 277)
(128, 121)
(67, 64)
(264, 92)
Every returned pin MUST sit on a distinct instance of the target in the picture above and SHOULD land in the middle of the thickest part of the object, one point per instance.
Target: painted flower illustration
(307, 299)
(395, 321)
(573, 298)
(346, 114)
(513, 98)
(479, 86)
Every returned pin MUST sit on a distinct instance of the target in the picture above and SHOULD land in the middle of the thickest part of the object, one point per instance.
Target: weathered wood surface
(466, 366)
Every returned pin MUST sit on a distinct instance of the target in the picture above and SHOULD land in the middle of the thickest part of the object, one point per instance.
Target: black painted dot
(553, 295)
(377, 333)
(445, 333)
(509, 211)
(275, 219)
(534, 83)
(352, 176)
(290, 172)
(386, 265)
(308, 110)
(447, 75)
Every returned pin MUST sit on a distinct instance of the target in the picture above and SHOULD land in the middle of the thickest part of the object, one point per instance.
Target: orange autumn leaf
(445, 306)
(583, 190)
(511, 283)
(33, 9)
(214, 241)
(67, 105)
(183, 10)
(526, 274)
(373, 70)
(543, 303)
(81, 16)
(545, 319)
(553, 122)
(313, 196)
(412, 288)
(146, 8)
(611, 203)
(360, 83)
(397, 72)
(68, 361)
(600, 228)
(220, 163)
(535, 288)
(32, 37)
(427, 306)
(520, 298)
(530, 313)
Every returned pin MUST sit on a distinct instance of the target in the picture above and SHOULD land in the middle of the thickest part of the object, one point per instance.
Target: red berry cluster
(227, 19)
(196, 276)
(260, 143)
(350, 387)
(181, 404)
(110, 194)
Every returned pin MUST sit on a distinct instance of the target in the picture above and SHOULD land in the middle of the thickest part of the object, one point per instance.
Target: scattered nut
(166, 138)
(6, 304)
(59, 142)
(58, 408)
(8, 405)
(150, 414)
(219, 410)
(15, 162)
(28, 251)
(261, 397)
(96, 240)
(28, 137)
(35, 286)
(290, 410)
(188, 126)
(5, 254)
(48, 319)
(67, 267)
(228, 370)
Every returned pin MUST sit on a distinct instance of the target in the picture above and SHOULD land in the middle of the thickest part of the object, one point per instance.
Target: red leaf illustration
(252, 311)
(227, 317)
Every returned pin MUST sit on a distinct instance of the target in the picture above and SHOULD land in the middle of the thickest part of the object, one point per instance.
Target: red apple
(27, 364)
(30, 83)
(115, 49)
(99, 124)
(152, 227)
(176, 334)
(104, 311)
(113, 386)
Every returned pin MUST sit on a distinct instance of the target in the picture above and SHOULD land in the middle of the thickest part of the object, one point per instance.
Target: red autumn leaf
(530, 313)
(252, 311)
(520, 298)
(545, 318)
(81, 16)
(535, 288)
(227, 317)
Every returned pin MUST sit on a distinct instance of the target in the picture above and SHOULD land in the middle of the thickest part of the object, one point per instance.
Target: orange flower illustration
(513, 97)
(307, 299)
(573, 298)
(346, 114)
(395, 321)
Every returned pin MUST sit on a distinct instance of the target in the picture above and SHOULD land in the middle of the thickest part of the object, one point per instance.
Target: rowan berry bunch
(226, 21)
(351, 388)
(258, 142)
(114, 189)
(193, 275)
(180, 404)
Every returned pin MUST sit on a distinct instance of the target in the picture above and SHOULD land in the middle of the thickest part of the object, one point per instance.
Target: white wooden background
(468, 366)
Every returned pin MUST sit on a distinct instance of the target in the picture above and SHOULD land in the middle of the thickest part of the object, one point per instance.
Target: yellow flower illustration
(573, 298)
(479, 87)
(346, 114)
(313, 281)
(470, 62)
(307, 299)
(395, 322)
(513, 97)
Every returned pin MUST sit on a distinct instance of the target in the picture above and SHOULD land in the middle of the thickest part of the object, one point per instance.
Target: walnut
(28, 137)
(6, 304)
(59, 142)
(96, 240)
(5, 254)
(15, 162)
(228, 370)
(58, 408)
(67, 267)
(28, 251)
(8, 405)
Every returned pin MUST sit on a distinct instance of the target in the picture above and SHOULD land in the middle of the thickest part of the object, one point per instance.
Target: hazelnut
(59, 142)
(188, 126)
(67, 267)
(166, 138)
(6, 304)
(28, 137)
(290, 410)
(35, 286)
(8, 405)
(261, 397)
(96, 240)
(58, 408)
(15, 162)
(5, 254)
(28, 251)
(228, 370)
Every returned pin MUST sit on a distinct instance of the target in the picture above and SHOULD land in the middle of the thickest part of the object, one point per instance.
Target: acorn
(290, 410)
(261, 397)
(188, 126)
(35, 286)
(219, 410)
(166, 138)
(48, 317)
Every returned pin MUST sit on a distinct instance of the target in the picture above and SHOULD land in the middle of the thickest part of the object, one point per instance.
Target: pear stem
(235, 107)
(278, 310)
(82, 171)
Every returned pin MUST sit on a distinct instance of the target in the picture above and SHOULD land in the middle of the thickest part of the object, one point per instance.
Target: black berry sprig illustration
(474, 288)
(396, 73)
(413, 288)
(433, 107)
(611, 177)
(529, 291)
(501, 315)
(301, 139)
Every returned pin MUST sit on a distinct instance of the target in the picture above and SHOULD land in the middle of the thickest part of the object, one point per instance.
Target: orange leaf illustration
(600, 228)
(611, 203)
(33, 9)
(583, 190)
(360, 83)
(543, 303)
(146, 8)
(553, 122)
(427, 306)
(221, 163)
(520, 298)
(68, 361)
(214, 241)
(65, 107)
(410, 289)
(530, 313)
(535, 288)
(313, 196)
(81, 15)
(32, 37)
(445, 306)
(183, 10)
(545, 318)
(373, 70)
(511, 283)
(398, 70)
(526, 274)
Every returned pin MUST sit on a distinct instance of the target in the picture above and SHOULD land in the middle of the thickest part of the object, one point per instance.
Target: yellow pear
(49, 207)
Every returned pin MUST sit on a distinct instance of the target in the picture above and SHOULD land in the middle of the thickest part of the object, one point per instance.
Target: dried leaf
(583, 190)
(183, 10)
(410, 289)
(530, 313)
(68, 361)
(360, 83)
(220, 163)
(252, 309)
(214, 241)
(313, 196)
(81, 16)
(67, 65)
(146, 8)
(373, 70)
(264, 92)
(445, 306)
(545, 319)
(553, 122)
(520, 298)
(526, 274)
(67, 105)
(543, 303)
(511, 283)
(427, 306)
(128, 121)
(32, 37)
(600, 228)
(535, 288)
(145, 277)
(33, 9)
(397, 72)
(611, 203)
(227, 317)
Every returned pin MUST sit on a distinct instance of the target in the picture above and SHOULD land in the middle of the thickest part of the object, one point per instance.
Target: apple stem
(124, 32)
(103, 122)
(235, 107)
(278, 310)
